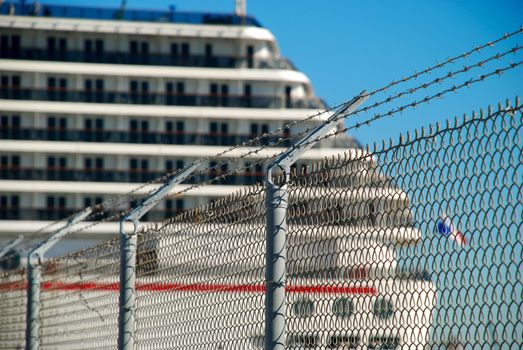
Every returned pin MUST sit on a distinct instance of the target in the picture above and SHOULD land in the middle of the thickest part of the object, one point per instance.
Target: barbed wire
(415, 103)
(393, 111)
(114, 202)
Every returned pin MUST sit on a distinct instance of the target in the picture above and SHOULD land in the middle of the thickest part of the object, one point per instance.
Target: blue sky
(346, 46)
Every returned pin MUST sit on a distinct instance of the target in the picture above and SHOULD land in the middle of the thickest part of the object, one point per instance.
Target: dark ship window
(383, 308)
(303, 341)
(383, 342)
(343, 341)
(303, 307)
(343, 307)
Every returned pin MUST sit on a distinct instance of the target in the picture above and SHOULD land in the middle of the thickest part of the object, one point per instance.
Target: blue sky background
(346, 46)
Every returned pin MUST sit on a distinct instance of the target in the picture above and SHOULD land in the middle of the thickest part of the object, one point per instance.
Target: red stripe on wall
(196, 287)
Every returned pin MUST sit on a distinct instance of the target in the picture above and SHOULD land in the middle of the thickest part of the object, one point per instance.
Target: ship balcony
(149, 59)
(101, 13)
(119, 97)
(138, 136)
(58, 213)
(117, 175)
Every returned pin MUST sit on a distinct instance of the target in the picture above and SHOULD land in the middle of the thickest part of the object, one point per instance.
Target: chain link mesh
(79, 299)
(12, 309)
(416, 244)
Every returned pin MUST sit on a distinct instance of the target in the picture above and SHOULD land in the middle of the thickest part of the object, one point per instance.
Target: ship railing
(131, 136)
(154, 59)
(116, 97)
(103, 13)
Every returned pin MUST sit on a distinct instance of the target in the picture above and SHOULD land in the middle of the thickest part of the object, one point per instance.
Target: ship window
(180, 88)
(343, 341)
(214, 89)
(383, 342)
(185, 49)
(4, 43)
(63, 44)
(145, 48)
(250, 54)
(343, 307)
(99, 163)
(258, 341)
(213, 127)
(303, 307)
(174, 49)
(51, 44)
(133, 86)
(15, 161)
(88, 45)
(383, 308)
(99, 84)
(51, 122)
(254, 129)
(133, 46)
(303, 341)
(372, 214)
(208, 50)
(15, 121)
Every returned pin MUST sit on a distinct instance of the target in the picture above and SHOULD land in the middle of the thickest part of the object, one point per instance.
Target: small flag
(445, 228)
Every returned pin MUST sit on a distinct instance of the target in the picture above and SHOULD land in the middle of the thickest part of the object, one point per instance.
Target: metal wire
(374, 256)
(369, 263)
(115, 204)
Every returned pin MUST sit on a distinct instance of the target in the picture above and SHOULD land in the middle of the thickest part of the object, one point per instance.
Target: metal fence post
(128, 242)
(276, 235)
(34, 275)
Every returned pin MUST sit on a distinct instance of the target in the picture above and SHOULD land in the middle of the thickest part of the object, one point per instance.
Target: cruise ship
(95, 102)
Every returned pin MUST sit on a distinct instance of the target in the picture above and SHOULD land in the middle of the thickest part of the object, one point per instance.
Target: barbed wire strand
(98, 209)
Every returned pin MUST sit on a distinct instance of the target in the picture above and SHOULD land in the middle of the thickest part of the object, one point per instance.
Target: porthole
(383, 308)
(303, 307)
(343, 307)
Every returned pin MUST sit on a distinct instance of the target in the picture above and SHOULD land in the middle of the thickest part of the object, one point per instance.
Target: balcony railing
(113, 175)
(159, 99)
(147, 137)
(154, 59)
(57, 213)
(101, 13)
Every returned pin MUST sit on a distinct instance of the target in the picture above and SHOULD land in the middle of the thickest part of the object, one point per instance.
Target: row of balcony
(332, 216)
(150, 59)
(147, 137)
(126, 176)
(57, 213)
(210, 100)
(124, 14)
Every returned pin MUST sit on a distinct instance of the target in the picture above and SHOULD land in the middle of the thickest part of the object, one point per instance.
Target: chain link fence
(12, 309)
(414, 244)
